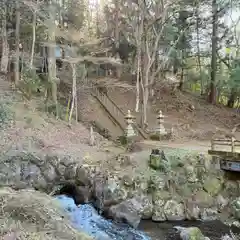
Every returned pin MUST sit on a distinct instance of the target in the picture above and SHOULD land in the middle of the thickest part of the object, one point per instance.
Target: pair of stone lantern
(160, 130)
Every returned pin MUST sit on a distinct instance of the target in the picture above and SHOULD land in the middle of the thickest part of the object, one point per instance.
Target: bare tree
(33, 33)
(51, 55)
(17, 43)
(5, 46)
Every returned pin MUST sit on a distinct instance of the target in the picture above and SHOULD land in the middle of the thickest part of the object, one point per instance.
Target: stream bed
(86, 218)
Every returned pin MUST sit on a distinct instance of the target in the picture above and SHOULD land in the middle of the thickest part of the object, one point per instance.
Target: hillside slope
(190, 116)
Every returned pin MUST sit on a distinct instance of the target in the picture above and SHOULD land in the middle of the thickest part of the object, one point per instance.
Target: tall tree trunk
(117, 37)
(51, 56)
(139, 64)
(144, 83)
(74, 93)
(5, 46)
(212, 95)
(182, 70)
(33, 36)
(17, 43)
(198, 49)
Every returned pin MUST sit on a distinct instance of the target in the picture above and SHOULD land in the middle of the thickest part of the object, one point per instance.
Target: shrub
(6, 114)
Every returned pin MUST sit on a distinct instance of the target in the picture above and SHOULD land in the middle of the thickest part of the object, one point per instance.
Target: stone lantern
(160, 130)
(129, 130)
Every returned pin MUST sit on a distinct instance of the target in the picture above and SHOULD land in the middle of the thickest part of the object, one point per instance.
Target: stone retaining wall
(192, 189)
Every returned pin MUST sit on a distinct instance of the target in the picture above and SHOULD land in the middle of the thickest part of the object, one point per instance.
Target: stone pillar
(91, 137)
(160, 130)
(129, 130)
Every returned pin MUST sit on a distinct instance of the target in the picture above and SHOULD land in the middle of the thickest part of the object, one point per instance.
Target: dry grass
(32, 215)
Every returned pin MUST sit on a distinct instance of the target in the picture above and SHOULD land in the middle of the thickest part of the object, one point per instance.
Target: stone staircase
(115, 113)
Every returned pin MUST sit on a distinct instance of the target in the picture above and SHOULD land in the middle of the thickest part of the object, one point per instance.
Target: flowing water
(86, 218)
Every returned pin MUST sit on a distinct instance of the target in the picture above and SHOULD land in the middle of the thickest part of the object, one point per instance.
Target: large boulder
(191, 233)
(28, 170)
(209, 214)
(235, 208)
(192, 210)
(158, 211)
(132, 210)
(203, 199)
(174, 211)
(191, 174)
(28, 214)
(126, 212)
(212, 186)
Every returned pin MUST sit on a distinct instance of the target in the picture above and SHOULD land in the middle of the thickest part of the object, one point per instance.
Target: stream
(86, 219)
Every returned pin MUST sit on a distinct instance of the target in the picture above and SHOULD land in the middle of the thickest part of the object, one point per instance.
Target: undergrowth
(6, 114)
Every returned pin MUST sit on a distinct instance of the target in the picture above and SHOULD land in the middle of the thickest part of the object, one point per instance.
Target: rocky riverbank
(192, 188)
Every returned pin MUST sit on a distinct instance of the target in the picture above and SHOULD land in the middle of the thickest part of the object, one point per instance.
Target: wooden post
(233, 144)
(212, 145)
(91, 137)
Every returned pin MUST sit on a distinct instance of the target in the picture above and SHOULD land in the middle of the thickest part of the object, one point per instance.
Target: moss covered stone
(212, 186)
(159, 162)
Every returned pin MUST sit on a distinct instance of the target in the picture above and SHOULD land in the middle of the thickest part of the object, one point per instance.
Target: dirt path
(201, 146)
(192, 145)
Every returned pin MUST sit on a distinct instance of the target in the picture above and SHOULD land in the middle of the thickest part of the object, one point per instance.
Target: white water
(86, 219)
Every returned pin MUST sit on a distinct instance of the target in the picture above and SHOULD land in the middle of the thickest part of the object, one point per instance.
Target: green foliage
(6, 115)
(155, 137)
(30, 83)
(52, 109)
(123, 140)
(99, 129)
(235, 76)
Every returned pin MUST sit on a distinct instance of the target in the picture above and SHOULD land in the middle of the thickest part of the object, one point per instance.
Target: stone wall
(191, 189)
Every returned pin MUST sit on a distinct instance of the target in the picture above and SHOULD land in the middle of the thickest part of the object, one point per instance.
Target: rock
(231, 188)
(158, 181)
(26, 170)
(146, 209)
(99, 190)
(141, 204)
(126, 212)
(82, 177)
(159, 198)
(174, 211)
(140, 185)
(209, 214)
(158, 211)
(236, 224)
(158, 161)
(70, 171)
(203, 199)
(221, 202)
(124, 160)
(226, 237)
(127, 180)
(200, 173)
(191, 174)
(191, 233)
(160, 195)
(114, 190)
(235, 208)
(49, 172)
(192, 210)
(212, 186)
